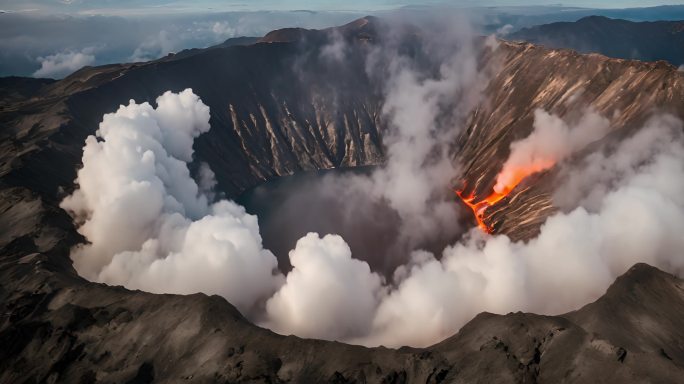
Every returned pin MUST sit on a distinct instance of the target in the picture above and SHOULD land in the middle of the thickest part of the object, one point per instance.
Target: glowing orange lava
(510, 179)
(477, 208)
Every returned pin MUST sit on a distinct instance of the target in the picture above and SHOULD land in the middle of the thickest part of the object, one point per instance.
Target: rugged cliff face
(276, 108)
(564, 83)
(279, 106)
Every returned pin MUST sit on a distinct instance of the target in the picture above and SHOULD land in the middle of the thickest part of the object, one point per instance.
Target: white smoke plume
(426, 93)
(551, 141)
(424, 107)
(586, 184)
(147, 223)
(206, 181)
(639, 218)
(327, 294)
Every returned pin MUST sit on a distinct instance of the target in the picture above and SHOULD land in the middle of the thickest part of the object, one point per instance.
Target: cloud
(223, 29)
(638, 217)
(424, 107)
(572, 261)
(505, 30)
(424, 95)
(155, 46)
(491, 42)
(551, 141)
(327, 294)
(206, 181)
(146, 220)
(336, 49)
(64, 63)
(586, 183)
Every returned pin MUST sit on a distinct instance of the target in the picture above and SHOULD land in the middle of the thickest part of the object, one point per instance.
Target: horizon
(160, 7)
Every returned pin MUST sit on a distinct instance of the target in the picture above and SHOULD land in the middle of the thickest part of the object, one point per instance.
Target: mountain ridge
(645, 40)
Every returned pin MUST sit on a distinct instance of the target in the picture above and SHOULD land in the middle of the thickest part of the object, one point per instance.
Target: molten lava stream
(513, 178)
(479, 208)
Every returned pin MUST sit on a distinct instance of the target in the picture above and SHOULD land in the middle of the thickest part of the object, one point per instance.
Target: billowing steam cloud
(551, 141)
(328, 294)
(587, 183)
(147, 223)
(639, 218)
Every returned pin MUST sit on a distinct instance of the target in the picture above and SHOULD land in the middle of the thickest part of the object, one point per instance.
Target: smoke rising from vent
(587, 182)
(577, 255)
(551, 141)
(427, 95)
(426, 86)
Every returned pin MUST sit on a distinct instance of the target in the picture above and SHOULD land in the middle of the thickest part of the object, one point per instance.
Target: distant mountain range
(648, 41)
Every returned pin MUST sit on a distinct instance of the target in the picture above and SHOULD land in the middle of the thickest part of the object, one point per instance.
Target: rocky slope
(14, 89)
(565, 83)
(276, 110)
(593, 344)
(57, 327)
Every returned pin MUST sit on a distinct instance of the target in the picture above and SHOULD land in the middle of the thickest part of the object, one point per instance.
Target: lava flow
(507, 180)
(480, 207)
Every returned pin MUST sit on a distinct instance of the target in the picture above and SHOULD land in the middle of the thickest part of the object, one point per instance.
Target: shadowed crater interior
(331, 202)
